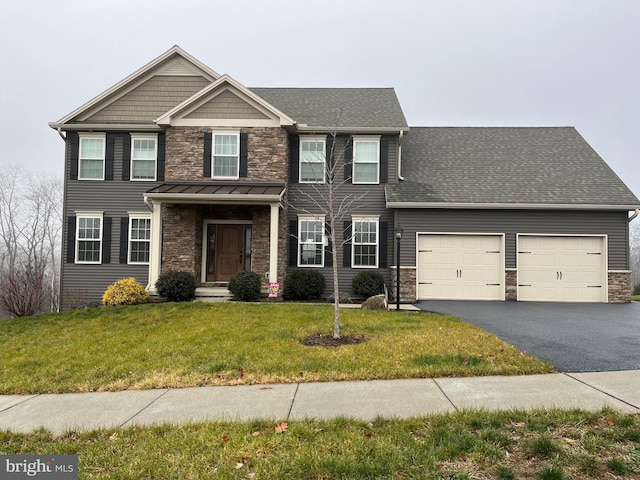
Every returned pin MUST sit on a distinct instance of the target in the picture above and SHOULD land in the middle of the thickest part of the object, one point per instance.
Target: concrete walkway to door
(574, 337)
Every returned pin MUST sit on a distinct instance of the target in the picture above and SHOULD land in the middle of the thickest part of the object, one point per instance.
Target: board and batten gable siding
(115, 198)
(373, 204)
(614, 224)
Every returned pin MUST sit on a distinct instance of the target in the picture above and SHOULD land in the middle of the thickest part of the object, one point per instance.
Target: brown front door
(225, 251)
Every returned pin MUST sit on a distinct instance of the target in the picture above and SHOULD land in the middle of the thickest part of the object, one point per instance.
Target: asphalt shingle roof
(505, 165)
(338, 108)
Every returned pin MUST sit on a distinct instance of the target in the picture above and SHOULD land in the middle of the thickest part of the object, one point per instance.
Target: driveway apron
(574, 337)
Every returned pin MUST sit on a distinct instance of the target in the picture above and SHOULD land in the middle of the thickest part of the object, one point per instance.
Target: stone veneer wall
(267, 153)
(620, 288)
(408, 292)
(181, 237)
(511, 284)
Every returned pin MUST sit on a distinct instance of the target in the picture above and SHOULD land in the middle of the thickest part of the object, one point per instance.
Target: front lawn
(175, 345)
(457, 446)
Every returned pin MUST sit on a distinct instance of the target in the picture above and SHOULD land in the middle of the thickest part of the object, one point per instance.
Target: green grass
(461, 445)
(196, 344)
(635, 298)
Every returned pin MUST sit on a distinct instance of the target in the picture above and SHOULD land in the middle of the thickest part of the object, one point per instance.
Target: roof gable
(497, 167)
(224, 102)
(172, 77)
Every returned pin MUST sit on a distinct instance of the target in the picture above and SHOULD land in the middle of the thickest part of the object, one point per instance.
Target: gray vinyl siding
(372, 204)
(512, 222)
(115, 198)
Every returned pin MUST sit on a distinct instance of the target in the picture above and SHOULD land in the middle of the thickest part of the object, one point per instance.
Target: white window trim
(306, 219)
(213, 154)
(138, 216)
(369, 138)
(317, 139)
(80, 215)
(143, 136)
(102, 136)
(353, 240)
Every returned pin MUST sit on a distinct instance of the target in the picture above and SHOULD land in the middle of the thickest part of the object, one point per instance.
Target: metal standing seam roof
(505, 165)
(221, 189)
(338, 108)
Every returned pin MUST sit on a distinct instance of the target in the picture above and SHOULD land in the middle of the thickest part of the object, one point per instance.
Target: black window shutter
(293, 243)
(206, 157)
(161, 157)
(106, 240)
(348, 159)
(384, 159)
(244, 155)
(109, 157)
(71, 239)
(126, 157)
(330, 159)
(383, 245)
(124, 239)
(294, 158)
(73, 142)
(346, 250)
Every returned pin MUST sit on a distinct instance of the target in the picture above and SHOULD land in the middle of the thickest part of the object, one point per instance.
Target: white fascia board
(101, 127)
(508, 206)
(200, 97)
(141, 72)
(350, 130)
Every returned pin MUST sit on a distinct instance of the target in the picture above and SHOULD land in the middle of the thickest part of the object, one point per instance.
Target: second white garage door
(561, 268)
(460, 267)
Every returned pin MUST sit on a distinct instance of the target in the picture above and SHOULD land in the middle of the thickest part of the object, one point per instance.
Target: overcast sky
(452, 62)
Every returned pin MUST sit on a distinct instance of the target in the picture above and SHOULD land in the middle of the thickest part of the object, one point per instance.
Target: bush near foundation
(126, 291)
(304, 284)
(367, 284)
(176, 286)
(245, 286)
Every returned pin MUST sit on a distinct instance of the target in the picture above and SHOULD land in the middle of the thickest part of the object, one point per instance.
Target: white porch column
(273, 242)
(155, 256)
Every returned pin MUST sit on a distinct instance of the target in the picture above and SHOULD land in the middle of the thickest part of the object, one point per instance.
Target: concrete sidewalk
(364, 400)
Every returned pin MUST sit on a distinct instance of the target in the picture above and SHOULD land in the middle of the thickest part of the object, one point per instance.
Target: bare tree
(30, 227)
(634, 250)
(327, 199)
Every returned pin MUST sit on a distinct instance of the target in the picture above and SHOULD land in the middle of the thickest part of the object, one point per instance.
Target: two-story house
(179, 167)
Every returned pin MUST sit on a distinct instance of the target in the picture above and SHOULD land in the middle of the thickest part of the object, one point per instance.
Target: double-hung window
(91, 157)
(365, 242)
(366, 160)
(139, 239)
(312, 159)
(310, 242)
(226, 155)
(89, 238)
(144, 155)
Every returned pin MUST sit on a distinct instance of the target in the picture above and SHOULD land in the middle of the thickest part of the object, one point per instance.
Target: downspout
(635, 214)
(400, 177)
(61, 134)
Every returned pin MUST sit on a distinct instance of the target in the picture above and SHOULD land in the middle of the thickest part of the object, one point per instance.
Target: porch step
(213, 294)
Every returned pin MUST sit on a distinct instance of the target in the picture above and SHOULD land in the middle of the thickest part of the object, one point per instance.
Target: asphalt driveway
(574, 337)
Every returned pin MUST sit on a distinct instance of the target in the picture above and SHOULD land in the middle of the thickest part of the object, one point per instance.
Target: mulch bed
(320, 340)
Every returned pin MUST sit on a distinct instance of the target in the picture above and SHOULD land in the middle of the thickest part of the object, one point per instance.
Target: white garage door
(462, 267)
(561, 269)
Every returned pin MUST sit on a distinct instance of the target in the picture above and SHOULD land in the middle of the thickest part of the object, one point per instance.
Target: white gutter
(513, 206)
(400, 177)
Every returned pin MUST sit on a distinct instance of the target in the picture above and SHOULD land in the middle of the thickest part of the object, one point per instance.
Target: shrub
(245, 286)
(176, 286)
(636, 289)
(126, 291)
(304, 284)
(367, 284)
